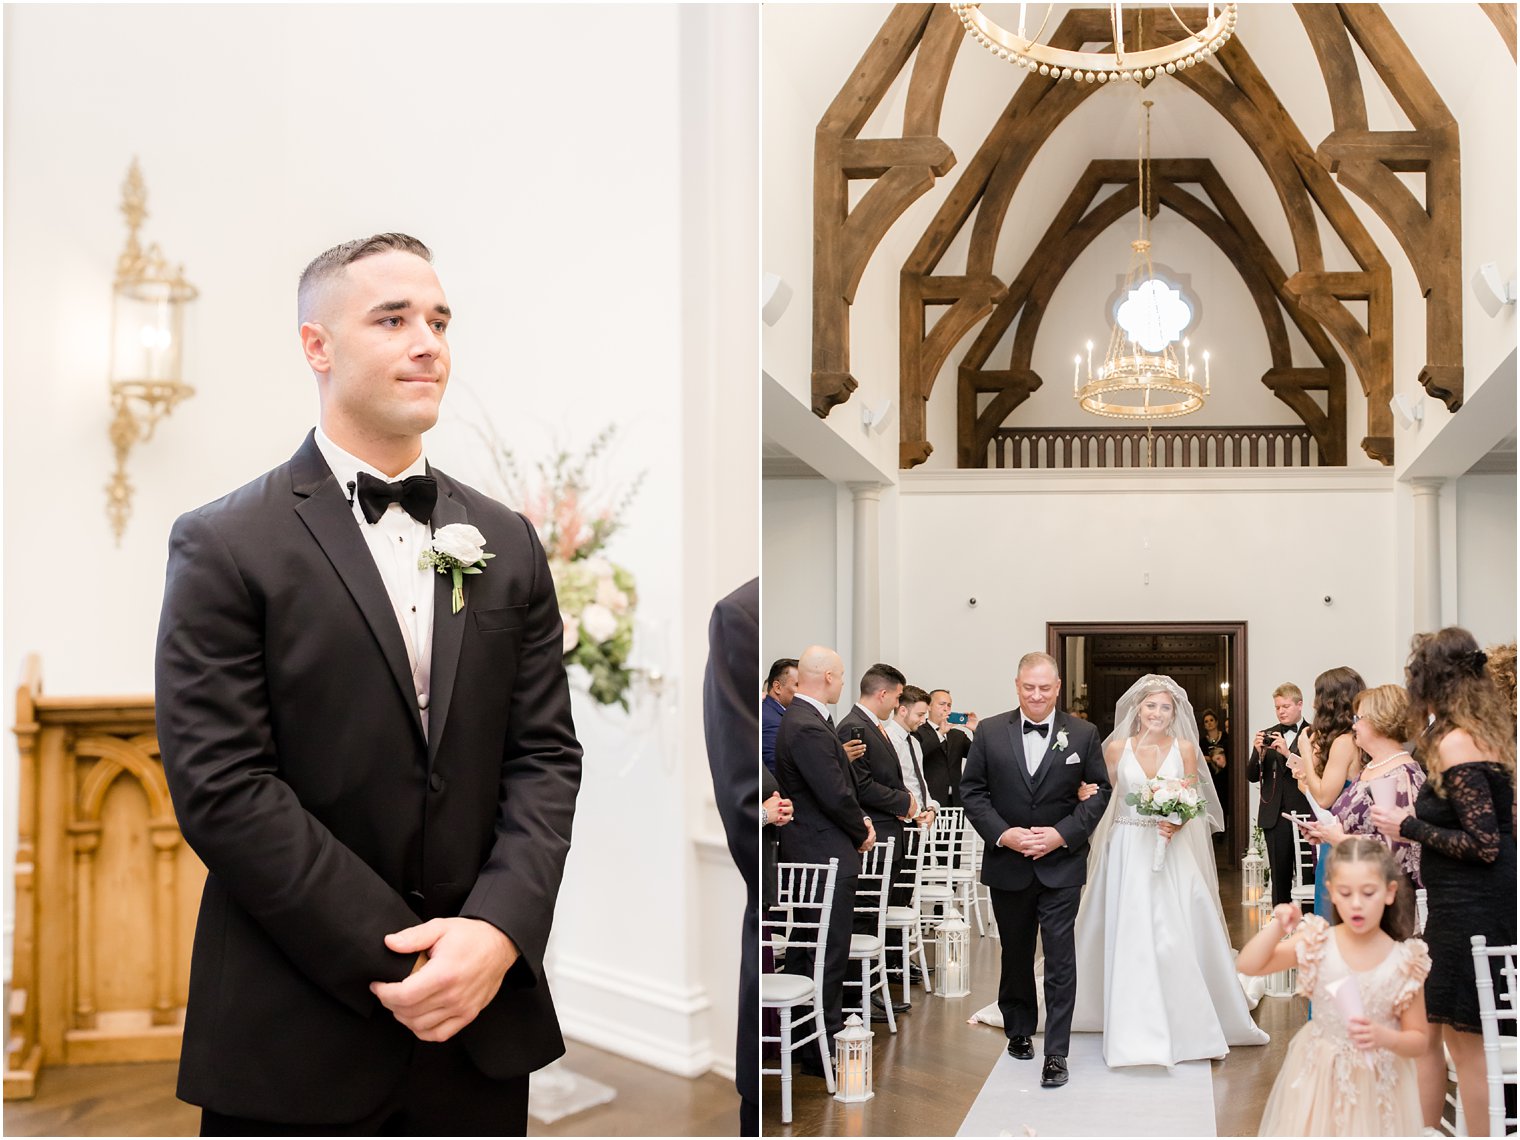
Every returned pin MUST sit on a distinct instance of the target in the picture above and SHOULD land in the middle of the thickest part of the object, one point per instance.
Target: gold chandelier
(1098, 66)
(1141, 376)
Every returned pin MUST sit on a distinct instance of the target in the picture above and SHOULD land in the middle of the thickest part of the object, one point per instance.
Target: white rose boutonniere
(1060, 740)
(458, 549)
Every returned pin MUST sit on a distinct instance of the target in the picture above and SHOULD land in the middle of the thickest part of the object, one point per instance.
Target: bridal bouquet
(1174, 800)
(597, 597)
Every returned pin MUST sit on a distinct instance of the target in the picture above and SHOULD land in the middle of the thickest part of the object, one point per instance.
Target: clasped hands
(459, 968)
(1034, 842)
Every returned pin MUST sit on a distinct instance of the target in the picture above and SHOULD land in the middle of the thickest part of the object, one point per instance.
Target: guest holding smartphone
(1327, 758)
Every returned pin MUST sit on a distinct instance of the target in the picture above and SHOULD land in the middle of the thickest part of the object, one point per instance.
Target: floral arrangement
(1175, 800)
(597, 597)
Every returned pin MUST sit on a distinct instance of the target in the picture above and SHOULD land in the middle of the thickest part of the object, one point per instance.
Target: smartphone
(852, 733)
(957, 718)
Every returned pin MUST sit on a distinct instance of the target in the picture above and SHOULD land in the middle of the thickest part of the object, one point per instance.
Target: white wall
(800, 567)
(1485, 562)
(1158, 547)
(590, 201)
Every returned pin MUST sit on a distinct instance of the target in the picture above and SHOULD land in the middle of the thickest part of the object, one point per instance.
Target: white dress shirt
(1035, 744)
(396, 542)
(823, 710)
(908, 751)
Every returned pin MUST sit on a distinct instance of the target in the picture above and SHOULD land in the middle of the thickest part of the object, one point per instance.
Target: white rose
(607, 594)
(1189, 797)
(599, 622)
(572, 631)
(461, 541)
(598, 567)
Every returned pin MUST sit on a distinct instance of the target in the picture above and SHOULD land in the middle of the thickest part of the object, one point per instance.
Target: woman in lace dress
(1350, 1071)
(1464, 821)
(1155, 972)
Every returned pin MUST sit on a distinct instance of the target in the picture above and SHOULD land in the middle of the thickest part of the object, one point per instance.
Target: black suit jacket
(827, 820)
(1279, 789)
(878, 774)
(731, 726)
(999, 793)
(943, 761)
(301, 775)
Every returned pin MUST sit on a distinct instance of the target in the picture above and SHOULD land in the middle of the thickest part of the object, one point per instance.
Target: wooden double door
(1100, 660)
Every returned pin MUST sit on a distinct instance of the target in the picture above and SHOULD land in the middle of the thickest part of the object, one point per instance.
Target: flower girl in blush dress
(1350, 1071)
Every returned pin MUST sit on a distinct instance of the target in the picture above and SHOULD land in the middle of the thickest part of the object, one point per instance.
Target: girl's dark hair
(1334, 692)
(1400, 916)
(1446, 675)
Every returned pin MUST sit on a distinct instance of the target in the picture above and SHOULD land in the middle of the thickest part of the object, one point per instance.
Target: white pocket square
(1074, 759)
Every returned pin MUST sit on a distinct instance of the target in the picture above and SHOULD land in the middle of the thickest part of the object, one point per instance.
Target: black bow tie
(1042, 729)
(416, 495)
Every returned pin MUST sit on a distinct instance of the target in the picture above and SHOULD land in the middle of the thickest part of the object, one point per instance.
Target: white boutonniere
(1060, 740)
(458, 549)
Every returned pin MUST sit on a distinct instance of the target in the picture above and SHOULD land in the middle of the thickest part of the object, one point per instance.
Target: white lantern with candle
(852, 1062)
(1253, 878)
(952, 949)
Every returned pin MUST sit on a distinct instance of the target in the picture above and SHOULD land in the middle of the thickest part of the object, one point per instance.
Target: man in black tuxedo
(381, 787)
(828, 822)
(945, 747)
(730, 723)
(1280, 792)
(878, 776)
(1020, 790)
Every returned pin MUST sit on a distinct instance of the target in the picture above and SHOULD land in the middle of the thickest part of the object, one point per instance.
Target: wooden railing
(1069, 447)
(106, 889)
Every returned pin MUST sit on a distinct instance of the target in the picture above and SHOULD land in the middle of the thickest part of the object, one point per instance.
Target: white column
(1427, 554)
(865, 583)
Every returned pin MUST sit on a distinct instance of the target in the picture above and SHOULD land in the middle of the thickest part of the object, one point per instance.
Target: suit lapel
(1049, 760)
(326, 513)
(1016, 741)
(448, 627)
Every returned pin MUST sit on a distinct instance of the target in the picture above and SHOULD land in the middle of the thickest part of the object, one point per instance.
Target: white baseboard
(645, 1020)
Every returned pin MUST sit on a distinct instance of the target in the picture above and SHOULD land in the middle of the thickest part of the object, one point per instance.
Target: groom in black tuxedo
(1020, 792)
(380, 787)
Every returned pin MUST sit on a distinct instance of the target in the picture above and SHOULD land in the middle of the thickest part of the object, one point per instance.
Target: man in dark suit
(780, 684)
(1020, 788)
(945, 746)
(828, 822)
(380, 784)
(878, 776)
(1280, 792)
(728, 717)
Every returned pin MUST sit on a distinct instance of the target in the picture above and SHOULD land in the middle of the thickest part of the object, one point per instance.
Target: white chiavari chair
(806, 893)
(904, 935)
(870, 950)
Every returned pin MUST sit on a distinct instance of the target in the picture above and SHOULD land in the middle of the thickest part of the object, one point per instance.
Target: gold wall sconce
(148, 306)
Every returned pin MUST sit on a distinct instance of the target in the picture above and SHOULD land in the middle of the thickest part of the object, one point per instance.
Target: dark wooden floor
(138, 1100)
(928, 1075)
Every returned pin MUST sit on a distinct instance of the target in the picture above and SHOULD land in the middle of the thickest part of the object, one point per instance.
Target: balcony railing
(1062, 447)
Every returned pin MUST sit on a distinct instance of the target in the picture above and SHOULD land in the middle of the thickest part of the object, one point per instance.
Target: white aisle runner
(1146, 1100)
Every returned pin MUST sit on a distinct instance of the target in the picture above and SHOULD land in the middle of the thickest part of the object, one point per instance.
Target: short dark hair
(325, 265)
(880, 676)
(779, 667)
(911, 695)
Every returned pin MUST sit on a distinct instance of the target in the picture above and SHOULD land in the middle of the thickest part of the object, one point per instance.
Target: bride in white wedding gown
(1155, 971)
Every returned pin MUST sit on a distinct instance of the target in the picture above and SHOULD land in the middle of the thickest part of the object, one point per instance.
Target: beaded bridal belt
(1138, 820)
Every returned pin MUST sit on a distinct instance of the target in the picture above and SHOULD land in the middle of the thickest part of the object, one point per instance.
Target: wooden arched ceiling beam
(1503, 18)
(1243, 98)
(1074, 228)
(1369, 162)
(900, 168)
